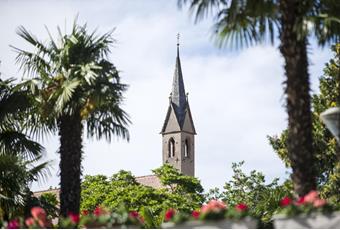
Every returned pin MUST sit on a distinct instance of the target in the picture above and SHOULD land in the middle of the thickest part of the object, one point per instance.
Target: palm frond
(16, 143)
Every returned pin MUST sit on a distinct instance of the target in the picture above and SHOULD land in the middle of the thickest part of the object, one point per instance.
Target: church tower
(178, 132)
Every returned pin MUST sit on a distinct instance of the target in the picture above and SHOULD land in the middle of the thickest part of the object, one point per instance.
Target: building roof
(55, 191)
(149, 180)
(178, 97)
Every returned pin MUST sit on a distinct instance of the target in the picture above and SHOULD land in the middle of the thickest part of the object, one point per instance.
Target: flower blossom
(195, 214)
(13, 224)
(285, 201)
(300, 201)
(29, 221)
(241, 207)
(319, 203)
(38, 213)
(169, 214)
(213, 206)
(311, 196)
(98, 211)
(74, 217)
(85, 212)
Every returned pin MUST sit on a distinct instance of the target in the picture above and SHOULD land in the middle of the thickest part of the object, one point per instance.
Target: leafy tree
(261, 198)
(181, 192)
(73, 85)
(213, 194)
(327, 163)
(248, 22)
(183, 185)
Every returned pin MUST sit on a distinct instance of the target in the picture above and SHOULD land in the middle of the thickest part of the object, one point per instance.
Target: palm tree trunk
(70, 134)
(300, 142)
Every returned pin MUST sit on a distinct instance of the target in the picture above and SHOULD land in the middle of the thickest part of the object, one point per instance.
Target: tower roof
(178, 97)
(178, 116)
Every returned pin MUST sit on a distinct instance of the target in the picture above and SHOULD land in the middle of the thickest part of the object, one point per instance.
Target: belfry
(178, 132)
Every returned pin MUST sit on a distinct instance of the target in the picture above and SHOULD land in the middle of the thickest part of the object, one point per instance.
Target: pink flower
(285, 201)
(29, 221)
(311, 196)
(73, 217)
(44, 223)
(169, 214)
(195, 214)
(241, 207)
(13, 224)
(319, 203)
(213, 206)
(38, 213)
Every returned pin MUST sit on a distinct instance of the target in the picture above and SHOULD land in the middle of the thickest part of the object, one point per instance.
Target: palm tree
(73, 85)
(19, 155)
(247, 22)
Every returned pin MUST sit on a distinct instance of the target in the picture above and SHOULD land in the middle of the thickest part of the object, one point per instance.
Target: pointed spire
(178, 96)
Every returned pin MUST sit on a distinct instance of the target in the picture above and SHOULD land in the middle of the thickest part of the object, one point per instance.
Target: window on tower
(186, 148)
(171, 147)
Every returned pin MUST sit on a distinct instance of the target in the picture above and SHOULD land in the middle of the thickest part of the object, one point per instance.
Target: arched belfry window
(186, 148)
(171, 148)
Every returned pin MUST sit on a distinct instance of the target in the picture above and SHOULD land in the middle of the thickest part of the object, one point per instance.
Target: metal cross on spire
(178, 35)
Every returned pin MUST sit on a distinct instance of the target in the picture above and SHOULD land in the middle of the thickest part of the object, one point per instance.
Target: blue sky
(236, 97)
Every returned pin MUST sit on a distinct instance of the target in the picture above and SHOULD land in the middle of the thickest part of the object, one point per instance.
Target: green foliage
(186, 186)
(180, 192)
(245, 23)
(213, 194)
(19, 156)
(73, 76)
(49, 202)
(327, 164)
(252, 190)
(72, 85)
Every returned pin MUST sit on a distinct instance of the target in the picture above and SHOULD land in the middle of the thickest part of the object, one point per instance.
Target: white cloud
(236, 97)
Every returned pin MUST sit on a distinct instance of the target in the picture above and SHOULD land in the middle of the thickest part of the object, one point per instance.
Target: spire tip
(178, 35)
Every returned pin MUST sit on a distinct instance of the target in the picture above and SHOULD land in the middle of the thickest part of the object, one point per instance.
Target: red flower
(300, 201)
(169, 214)
(13, 224)
(38, 213)
(285, 201)
(241, 207)
(84, 212)
(29, 221)
(134, 214)
(73, 217)
(195, 214)
(98, 211)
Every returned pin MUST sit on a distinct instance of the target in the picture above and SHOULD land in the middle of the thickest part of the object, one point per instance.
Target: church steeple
(178, 97)
(178, 130)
